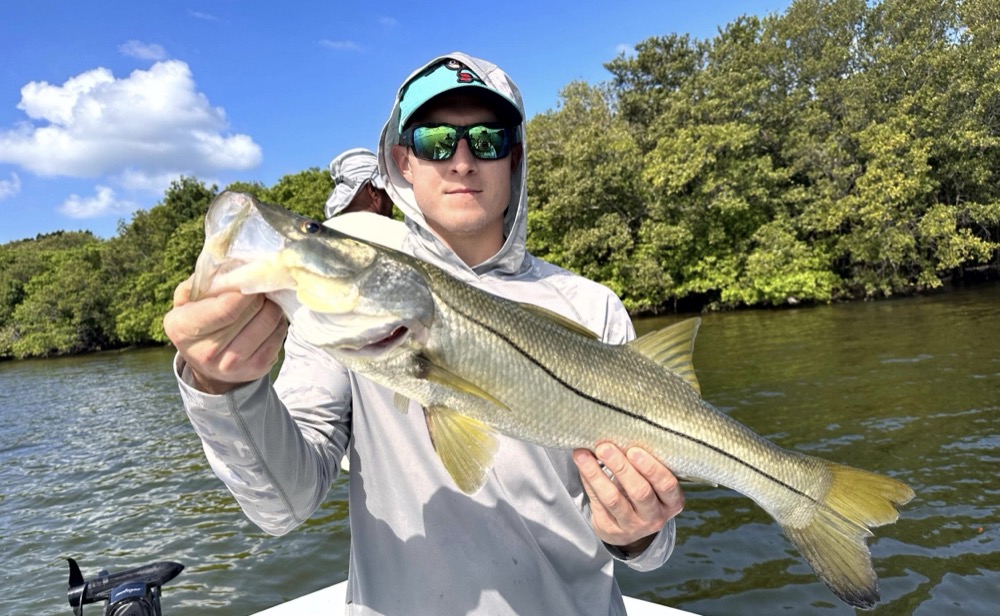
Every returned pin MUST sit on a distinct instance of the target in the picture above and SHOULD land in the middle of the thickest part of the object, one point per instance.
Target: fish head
(350, 297)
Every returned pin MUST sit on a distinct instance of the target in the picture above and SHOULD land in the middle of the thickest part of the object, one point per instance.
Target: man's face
(463, 198)
(370, 199)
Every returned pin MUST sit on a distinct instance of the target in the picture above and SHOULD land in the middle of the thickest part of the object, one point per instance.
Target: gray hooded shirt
(523, 544)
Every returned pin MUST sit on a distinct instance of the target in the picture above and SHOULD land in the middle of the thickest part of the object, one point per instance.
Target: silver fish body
(480, 364)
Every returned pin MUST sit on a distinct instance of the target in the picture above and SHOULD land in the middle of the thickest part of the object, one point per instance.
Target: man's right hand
(228, 339)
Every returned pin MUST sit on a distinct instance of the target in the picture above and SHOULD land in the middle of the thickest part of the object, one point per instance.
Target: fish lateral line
(622, 411)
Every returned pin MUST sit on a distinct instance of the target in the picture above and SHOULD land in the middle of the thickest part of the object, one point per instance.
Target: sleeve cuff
(194, 398)
(654, 555)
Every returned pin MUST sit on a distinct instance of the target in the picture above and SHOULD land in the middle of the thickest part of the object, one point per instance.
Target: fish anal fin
(558, 319)
(466, 446)
(672, 348)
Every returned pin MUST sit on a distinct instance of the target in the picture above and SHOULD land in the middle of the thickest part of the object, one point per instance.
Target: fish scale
(481, 365)
(572, 371)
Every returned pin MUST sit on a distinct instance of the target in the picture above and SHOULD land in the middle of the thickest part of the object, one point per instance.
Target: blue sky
(103, 104)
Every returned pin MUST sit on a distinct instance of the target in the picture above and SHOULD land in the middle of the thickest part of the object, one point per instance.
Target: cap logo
(463, 73)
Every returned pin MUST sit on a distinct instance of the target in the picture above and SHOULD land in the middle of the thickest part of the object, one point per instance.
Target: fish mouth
(378, 347)
(394, 338)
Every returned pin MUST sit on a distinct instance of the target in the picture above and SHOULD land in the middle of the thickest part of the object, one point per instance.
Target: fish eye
(311, 226)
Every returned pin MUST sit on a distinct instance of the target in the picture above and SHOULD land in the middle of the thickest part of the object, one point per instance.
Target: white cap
(350, 171)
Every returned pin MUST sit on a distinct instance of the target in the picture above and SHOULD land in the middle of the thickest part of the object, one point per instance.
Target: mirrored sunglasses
(488, 141)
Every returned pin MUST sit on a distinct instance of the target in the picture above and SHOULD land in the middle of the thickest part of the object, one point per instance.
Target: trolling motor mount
(134, 592)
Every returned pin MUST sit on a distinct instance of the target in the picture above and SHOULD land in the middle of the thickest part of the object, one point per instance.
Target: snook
(480, 364)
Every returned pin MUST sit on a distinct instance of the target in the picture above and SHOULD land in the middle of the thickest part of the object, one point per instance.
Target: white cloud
(340, 45)
(153, 122)
(9, 188)
(134, 179)
(103, 203)
(202, 16)
(388, 22)
(143, 51)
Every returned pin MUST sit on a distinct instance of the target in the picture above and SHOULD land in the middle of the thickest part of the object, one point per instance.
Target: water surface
(98, 462)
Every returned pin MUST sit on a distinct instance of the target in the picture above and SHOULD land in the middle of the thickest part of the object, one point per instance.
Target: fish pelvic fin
(465, 445)
(834, 541)
(401, 402)
(672, 347)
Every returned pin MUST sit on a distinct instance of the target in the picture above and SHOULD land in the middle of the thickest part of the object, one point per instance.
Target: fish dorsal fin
(672, 347)
(465, 445)
(558, 319)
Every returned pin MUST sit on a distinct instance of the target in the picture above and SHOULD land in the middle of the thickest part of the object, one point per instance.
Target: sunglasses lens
(489, 143)
(438, 142)
(435, 142)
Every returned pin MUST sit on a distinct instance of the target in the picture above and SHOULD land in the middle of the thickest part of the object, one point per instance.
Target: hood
(511, 258)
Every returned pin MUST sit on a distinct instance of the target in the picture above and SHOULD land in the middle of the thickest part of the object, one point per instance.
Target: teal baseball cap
(446, 76)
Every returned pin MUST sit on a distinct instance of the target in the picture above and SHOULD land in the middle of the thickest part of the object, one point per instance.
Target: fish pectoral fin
(697, 481)
(439, 375)
(401, 402)
(558, 319)
(465, 445)
(672, 348)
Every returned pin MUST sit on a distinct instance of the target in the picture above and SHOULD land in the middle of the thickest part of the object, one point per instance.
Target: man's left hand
(630, 509)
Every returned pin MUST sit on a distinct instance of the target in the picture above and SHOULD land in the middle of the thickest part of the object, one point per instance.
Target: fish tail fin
(834, 540)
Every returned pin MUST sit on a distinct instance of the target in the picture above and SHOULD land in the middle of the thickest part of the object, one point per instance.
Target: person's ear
(401, 158)
(516, 153)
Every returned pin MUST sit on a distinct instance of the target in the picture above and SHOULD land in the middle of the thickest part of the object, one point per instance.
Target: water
(98, 462)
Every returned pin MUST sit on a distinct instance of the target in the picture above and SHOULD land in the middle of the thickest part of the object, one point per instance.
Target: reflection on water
(98, 462)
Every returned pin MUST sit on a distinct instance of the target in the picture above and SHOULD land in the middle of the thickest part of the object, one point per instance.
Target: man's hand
(228, 339)
(628, 511)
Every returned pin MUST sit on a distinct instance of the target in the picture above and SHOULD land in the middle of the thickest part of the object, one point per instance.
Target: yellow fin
(401, 402)
(833, 540)
(439, 375)
(466, 446)
(559, 319)
(672, 347)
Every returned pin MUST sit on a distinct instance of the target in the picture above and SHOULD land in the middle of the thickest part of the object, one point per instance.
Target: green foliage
(65, 308)
(585, 213)
(152, 254)
(21, 263)
(304, 193)
(843, 149)
(72, 292)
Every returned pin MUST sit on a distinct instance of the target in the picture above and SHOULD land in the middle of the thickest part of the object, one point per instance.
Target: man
(358, 186)
(541, 535)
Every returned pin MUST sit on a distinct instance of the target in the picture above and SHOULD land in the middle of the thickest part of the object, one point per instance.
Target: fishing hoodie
(523, 544)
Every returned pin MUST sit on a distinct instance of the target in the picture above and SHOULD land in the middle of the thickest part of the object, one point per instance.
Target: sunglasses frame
(407, 138)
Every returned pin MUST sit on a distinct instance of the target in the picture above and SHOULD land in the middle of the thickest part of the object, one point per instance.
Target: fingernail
(604, 451)
(638, 457)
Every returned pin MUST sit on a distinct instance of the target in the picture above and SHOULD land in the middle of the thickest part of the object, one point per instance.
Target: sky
(102, 105)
